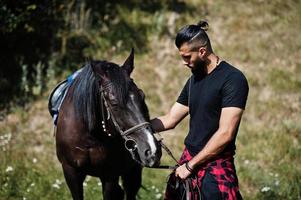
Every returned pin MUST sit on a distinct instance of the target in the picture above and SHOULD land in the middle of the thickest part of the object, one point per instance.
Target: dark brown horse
(103, 130)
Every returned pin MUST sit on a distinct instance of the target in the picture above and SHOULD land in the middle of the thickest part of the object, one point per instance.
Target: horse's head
(125, 104)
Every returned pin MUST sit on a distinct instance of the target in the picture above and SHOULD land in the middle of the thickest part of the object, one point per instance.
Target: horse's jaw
(152, 161)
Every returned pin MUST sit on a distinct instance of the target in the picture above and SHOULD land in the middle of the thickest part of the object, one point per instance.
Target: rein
(168, 153)
(186, 184)
(188, 191)
(126, 133)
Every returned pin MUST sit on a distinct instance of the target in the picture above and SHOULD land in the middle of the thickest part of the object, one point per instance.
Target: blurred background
(42, 42)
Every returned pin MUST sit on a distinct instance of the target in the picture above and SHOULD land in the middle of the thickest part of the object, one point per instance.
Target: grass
(258, 37)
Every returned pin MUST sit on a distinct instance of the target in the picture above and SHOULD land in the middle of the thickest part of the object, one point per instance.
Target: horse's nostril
(147, 153)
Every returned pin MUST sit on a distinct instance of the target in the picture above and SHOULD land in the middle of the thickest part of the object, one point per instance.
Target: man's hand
(171, 119)
(182, 172)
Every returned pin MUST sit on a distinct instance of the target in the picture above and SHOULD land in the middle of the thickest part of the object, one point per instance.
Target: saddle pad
(56, 98)
(58, 94)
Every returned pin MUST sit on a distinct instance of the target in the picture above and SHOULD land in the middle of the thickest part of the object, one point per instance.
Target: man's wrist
(190, 169)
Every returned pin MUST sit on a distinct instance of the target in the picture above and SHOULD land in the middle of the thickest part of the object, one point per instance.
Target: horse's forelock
(86, 96)
(118, 78)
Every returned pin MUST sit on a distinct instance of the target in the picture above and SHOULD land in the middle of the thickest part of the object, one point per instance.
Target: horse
(103, 130)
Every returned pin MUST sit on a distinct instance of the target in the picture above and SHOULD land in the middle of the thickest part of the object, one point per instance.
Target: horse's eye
(113, 100)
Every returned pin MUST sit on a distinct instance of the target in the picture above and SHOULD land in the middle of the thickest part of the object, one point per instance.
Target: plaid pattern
(223, 171)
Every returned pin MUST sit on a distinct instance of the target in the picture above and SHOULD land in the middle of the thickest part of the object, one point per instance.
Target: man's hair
(195, 35)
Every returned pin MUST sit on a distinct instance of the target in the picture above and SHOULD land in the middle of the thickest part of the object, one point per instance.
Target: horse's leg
(74, 180)
(111, 190)
(132, 182)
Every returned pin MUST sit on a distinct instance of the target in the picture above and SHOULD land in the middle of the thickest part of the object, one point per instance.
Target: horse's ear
(98, 71)
(128, 65)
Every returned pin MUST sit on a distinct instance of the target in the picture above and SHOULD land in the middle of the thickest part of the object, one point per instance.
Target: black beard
(199, 68)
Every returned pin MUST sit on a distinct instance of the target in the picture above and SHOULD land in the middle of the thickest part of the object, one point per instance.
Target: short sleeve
(183, 97)
(235, 91)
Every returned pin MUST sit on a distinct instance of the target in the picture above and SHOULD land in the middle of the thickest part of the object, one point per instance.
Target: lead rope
(165, 147)
(160, 140)
(168, 151)
(187, 183)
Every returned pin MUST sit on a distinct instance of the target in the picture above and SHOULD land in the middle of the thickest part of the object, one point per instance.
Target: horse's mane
(86, 94)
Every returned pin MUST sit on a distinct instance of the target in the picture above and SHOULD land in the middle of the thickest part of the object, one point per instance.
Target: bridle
(124, 134)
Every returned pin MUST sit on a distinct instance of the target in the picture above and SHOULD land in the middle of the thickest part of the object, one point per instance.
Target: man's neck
(213, 61)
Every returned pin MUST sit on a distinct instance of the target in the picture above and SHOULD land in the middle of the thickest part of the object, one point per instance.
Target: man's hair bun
(203, 25)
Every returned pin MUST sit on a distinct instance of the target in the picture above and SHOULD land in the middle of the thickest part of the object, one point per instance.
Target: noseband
(124, 134)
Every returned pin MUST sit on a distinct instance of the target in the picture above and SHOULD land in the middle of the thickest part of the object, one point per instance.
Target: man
(215, 97)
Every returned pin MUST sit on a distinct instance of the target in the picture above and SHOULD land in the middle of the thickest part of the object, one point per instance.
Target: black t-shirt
(225, 86)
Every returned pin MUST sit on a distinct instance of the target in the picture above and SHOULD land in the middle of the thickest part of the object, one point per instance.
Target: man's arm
(229, 120)
(171, 119)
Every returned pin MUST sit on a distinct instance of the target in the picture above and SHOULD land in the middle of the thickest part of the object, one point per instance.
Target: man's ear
(202, 52)
(128, 65)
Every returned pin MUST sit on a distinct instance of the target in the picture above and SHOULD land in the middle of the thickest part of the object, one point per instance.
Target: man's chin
(198, 69)
(195, 70)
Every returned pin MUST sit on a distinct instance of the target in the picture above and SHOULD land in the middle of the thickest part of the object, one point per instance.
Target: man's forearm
(171, 119)
(229, 121)
(215, 145)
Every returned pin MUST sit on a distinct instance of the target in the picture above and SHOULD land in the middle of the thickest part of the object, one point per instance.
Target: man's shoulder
(230, 71)
(229, 67)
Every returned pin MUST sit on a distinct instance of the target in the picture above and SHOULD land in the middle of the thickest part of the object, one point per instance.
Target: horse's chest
(106, 153)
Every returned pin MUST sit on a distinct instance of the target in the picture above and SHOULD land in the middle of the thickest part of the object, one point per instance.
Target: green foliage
(68, 33)
(21, 179)
(284, 80)
(27, 39)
